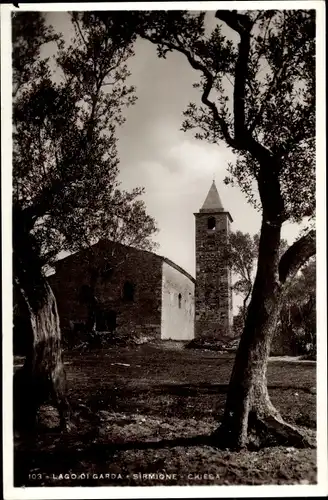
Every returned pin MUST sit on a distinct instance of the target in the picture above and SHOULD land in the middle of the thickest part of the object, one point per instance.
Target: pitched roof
(212, 202)
(178, 268)
(107, 242)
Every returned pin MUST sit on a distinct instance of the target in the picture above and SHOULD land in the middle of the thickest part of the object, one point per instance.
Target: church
(146, 294)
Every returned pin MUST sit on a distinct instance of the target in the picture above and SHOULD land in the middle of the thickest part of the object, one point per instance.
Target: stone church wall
(138, 311)
(177, 303)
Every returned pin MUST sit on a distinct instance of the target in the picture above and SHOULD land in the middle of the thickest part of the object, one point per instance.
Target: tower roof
(212, 202)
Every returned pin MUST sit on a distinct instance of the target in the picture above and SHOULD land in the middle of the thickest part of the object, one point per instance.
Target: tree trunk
(42, 377)
(245, 304)
(250, 419)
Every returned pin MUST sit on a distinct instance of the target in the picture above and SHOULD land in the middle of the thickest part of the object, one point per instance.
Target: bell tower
(213, 295)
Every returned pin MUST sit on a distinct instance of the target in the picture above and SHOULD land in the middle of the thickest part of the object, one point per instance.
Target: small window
(179, 299)
(211, 223)
(128, 291)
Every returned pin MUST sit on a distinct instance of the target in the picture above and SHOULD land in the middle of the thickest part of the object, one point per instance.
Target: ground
(149, 410)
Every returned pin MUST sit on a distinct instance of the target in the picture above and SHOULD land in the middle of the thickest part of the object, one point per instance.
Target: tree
(243, 251)
(242, 257)
(258, 96)
(297, 321)
(65, 166)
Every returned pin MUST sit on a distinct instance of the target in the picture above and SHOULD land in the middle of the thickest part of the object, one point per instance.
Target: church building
(134, 292)
(140, 292)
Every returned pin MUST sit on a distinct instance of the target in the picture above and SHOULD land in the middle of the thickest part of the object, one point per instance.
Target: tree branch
(242, 25)
(276, 79)
(243, 139)
(77, 24)
(245, 302)
(207, 87)
(296, 256)
(268, 177)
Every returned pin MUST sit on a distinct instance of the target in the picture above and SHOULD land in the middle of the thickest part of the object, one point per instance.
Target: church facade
(143, 293)
(131, 291)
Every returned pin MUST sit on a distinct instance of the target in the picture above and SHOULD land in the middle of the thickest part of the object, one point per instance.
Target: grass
(147, 410)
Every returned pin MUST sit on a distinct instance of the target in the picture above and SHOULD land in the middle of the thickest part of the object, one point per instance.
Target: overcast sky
(175, 169)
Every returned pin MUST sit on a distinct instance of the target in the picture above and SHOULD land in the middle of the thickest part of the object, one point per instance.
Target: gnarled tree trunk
(42, 377)
(250, 418)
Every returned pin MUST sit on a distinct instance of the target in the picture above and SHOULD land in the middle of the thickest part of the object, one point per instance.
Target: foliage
(66, 113)
(85, 340)
(243, 252)
(298, 314)
(242, 257)
(28, 39)
(269, 113)
(297, 322)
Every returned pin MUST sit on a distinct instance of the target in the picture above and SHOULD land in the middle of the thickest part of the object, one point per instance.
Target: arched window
(128, 291)
(179, 299)
(211, 223)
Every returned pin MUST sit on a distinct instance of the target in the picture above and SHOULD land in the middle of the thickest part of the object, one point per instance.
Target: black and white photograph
(164, 270)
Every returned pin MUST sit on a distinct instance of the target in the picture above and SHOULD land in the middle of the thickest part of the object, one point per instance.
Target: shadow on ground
(141, 410)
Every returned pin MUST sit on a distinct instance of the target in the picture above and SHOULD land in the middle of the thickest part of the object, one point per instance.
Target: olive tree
(65, 166)
(257, 93)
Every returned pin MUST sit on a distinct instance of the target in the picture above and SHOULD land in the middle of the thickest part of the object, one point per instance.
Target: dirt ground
(142, 417)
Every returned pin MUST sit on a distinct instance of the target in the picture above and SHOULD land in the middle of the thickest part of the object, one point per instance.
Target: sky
(175, 169)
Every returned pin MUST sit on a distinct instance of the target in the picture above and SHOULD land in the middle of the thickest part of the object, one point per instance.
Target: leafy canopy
(66, 113)
(257, 86)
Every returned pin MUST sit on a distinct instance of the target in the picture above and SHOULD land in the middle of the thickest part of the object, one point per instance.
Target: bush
(212, 344)
(81, 339)
(295, 341)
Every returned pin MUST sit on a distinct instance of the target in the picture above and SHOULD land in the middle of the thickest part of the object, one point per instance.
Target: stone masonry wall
(213, 298)
(115, 265)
